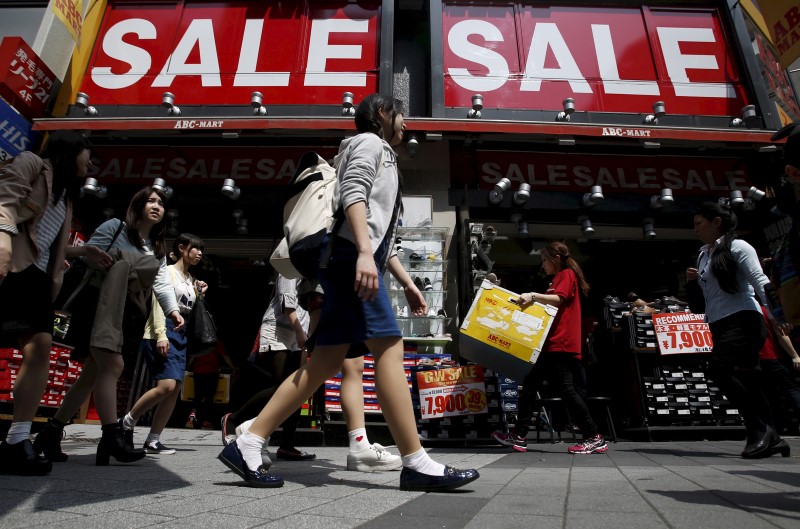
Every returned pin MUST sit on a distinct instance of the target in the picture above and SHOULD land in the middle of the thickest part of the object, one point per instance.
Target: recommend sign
(682, 333)
(451, 391)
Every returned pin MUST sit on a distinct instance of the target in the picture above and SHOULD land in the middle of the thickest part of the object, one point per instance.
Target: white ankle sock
(18, 432)
(152, 438)
(422, 463)
(245, 426)
(250, 445)
(128, 422)
(358, 439)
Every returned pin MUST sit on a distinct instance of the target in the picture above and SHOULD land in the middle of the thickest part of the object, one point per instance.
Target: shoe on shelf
(20, 459)
(432, 313)
(191, 420)
(451, 479)
(374, 458)
(418, 283)
(228, 436)
(594, 445)
(426, 285)
(293, 454)
(231, 456)
(206, 425)
(516, 442)
(156, 448)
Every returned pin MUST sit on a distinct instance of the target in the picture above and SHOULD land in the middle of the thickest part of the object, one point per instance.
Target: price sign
(451, 391)
(682, 333)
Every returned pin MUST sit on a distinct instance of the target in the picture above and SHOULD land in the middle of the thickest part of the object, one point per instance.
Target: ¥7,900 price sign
(451, 391)
(681, 333)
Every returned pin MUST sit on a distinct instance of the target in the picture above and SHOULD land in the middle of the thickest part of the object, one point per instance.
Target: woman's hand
(796, 363)
(177, 319)
(366, 285)
(162, 348)
(691, 274)
(201, 286)
(5, 254)
(301, 339)
(526, 300)
(97, 256)
(416, 300)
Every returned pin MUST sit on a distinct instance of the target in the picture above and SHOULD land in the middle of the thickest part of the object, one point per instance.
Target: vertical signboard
(25, 80)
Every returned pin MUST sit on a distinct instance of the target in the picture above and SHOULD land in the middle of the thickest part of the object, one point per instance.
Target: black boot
(21, 460)
(48, 441)
(128, 434)
(113, 443)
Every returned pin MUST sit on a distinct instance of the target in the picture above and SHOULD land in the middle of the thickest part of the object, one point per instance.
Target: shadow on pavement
(781, 504)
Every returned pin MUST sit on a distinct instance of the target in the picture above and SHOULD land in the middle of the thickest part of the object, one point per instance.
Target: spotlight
(592, 198)
(82, 101)
(241, 229)
(658, 111)
(477, 106)
(569, 108)
(648, 229)
(256, 101)
(230, 189)
(412, 146)
(586, 225)
(162, 186)
(736, 198)
(748, 117)
(168, 102)
(522, 194)
(755, 194)
(496, 194)
(92, 187)
(664, 199)
(347, 104)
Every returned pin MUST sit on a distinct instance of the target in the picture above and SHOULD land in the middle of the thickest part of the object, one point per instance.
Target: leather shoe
(293, 454)
(231, 456)
(759, 448)
(20, 459)
(451, 479)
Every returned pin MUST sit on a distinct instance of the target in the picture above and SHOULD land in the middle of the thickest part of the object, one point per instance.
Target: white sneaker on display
(265, 459)
(374, 458)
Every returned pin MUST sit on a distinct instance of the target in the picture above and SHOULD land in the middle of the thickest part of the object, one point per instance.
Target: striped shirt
(47, 231)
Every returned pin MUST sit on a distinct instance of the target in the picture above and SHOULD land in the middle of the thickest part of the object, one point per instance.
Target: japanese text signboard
(608, 59)
(15, 133)
(25, 80)
(294, 52)
(783, 20)
(452, 391)
(682, 333)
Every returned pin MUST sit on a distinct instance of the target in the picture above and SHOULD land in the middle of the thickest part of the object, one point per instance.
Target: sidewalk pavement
(671, 484)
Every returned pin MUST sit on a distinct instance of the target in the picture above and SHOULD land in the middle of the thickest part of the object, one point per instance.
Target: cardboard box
(498, 334)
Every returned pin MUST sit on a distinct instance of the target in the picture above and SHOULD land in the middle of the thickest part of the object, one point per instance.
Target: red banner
(630, 174)
(25, 80)
(609, 59)
(220, 52)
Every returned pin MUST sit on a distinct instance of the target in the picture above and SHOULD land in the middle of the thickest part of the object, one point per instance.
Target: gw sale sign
(682, 333)
(451, 391)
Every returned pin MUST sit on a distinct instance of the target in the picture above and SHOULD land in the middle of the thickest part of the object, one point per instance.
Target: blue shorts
(346, 319)
(173, 366)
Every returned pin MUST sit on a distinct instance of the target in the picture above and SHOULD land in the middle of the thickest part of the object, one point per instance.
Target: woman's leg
(169, 391)
(109, 368)
(563, 375)
(32, 376)
(205, 389)
(78, 393)
(284, 364)
(158, 394)
(352, 393)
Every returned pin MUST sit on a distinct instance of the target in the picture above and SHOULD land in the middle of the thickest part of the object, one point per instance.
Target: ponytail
(723, 265)
(558, 253)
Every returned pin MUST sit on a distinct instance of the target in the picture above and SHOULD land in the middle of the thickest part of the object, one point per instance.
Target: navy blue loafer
(232, 457)
(452, 479)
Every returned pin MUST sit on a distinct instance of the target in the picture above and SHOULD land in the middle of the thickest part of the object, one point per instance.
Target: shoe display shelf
(63, 373)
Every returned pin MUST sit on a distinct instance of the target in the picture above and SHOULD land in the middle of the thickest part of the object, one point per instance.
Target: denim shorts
(345, 317)
(173, 366)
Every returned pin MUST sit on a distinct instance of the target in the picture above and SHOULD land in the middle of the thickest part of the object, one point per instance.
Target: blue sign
(15, 132)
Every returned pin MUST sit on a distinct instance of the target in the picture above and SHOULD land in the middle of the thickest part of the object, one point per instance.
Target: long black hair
(558, 254)
(723, 265)
(188, 241)
(368, 120)
(134, 216)
(62, 150)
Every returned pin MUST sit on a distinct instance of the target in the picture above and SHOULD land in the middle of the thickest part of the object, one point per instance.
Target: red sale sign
(25, 80)
(294, 52)
(452, 391)
(609, 59)
(682, 333)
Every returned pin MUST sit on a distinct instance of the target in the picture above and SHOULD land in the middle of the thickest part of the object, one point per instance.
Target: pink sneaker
(593, 445)
(517, 443)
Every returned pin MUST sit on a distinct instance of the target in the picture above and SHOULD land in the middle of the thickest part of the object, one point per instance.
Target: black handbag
(201, 332)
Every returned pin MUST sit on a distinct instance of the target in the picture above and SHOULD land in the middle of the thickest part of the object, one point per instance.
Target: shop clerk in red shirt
(561, 354)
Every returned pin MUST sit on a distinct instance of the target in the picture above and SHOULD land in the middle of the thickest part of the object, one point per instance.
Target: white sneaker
(373, 458)
(265, 459)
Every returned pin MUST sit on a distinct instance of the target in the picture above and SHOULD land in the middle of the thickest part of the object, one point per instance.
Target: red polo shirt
(565, 332)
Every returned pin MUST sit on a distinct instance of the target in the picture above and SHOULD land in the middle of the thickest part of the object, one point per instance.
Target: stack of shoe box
(681, 396)
(641, 332)
(614, 311)
(333, 386)
(62, 374)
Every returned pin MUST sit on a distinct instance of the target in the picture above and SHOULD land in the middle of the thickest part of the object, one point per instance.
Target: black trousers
(780, 381)
(205, 388)
(561, 370)
(734, 367)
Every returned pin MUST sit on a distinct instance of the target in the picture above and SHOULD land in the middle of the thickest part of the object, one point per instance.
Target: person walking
(729, 274)
(37, 194)
(205, 369)
(136, 247)
(164, 346)
(560, 359)
(357, 308)
(778, 380)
